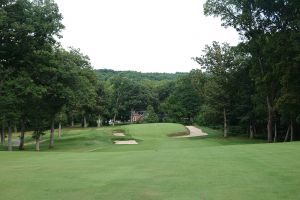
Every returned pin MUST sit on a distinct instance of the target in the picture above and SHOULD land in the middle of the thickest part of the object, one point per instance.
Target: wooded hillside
(243, 89)
(106, 74)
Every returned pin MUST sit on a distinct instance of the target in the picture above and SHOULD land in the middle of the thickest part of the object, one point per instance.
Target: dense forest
(252, 88)
(105, 74)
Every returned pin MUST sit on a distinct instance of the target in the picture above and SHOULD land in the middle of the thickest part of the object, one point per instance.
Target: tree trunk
(270, 119)
(225, 124)
(275, 132)
(287, 134)
(114, 120)
(22, 136)
(251, 132)
(3, 133)
(9, 143)
(37, 143)
(72, 121)
(84, 122)
(59, 129)
(15, 129)
(99, 122)
(254, 130)
(51, 143)
(292, 131)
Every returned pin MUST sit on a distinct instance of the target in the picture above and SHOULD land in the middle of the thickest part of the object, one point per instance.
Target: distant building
(137, 116)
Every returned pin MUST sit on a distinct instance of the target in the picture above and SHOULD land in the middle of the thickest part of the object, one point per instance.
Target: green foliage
(129, 95)
(40, 79)
(151, 116)
(208, 116)
(270, 31)
(28, 31)
(106, 74)
(183, 103)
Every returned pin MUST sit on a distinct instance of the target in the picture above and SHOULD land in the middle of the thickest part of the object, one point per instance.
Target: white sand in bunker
(125, 142)
(119, 134)
(194, 132)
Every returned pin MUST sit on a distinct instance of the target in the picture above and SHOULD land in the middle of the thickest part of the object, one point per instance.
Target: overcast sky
(141, 35)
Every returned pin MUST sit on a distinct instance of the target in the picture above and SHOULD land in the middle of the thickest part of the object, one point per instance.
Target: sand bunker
(119, 134)
(194, 132)
(125, 142)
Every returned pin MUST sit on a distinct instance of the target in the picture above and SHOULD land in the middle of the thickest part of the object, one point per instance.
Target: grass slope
(158, 168)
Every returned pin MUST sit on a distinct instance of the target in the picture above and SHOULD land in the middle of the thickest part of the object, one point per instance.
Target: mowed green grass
(85, 164)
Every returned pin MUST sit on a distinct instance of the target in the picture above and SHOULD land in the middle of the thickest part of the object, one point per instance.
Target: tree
(151, 116)
(287, 54)
(258, 22)
(27, 27)
(68, 78)
(218, 60)
(184, 102)
(103, 103)
(128, 95)
(83, 98)
(9, 108)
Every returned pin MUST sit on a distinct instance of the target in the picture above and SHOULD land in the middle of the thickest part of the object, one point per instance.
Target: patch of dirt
(125, 142)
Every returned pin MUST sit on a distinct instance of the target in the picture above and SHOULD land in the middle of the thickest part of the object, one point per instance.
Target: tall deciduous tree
(258, 22)
(218, 60)
(27, 27)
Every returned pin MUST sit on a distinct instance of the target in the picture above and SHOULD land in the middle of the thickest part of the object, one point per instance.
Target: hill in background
(105, 74)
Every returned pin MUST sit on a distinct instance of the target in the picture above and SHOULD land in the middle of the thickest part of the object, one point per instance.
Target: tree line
(252, 88)
(105, 74)
(267, 60)
(40, 81)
